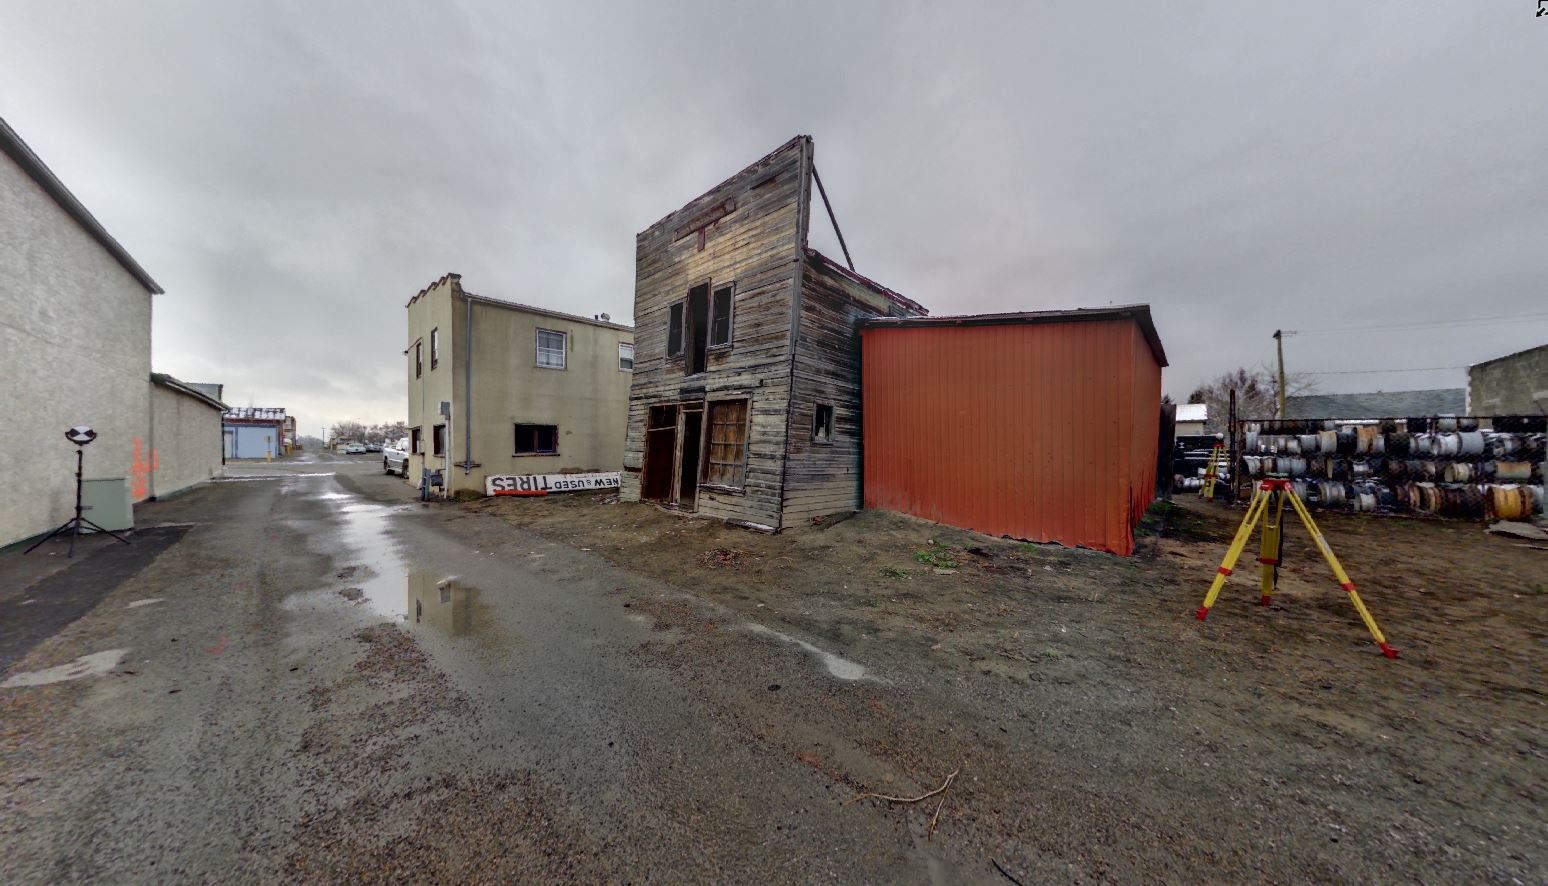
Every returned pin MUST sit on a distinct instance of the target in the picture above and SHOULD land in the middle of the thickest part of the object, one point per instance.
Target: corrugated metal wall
(1042, 431)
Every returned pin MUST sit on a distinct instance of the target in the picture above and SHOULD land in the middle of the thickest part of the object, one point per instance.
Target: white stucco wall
(185, 441)
(75, 348)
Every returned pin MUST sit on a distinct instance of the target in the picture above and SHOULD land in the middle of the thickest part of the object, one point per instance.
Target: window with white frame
(550, 349)
(625, 357)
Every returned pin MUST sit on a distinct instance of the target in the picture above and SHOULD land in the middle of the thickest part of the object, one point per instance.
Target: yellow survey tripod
(1268, 506)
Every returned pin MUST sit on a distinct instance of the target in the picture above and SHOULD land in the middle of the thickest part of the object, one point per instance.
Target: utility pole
(1279, 344)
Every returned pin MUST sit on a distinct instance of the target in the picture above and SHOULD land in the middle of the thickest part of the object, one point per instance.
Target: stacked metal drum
(1447, 466)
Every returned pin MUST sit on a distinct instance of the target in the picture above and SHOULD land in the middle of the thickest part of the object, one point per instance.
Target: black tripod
(73, 525)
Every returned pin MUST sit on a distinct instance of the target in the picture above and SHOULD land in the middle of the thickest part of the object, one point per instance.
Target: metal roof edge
(19, 151)
(1139, 313)
(173, 384)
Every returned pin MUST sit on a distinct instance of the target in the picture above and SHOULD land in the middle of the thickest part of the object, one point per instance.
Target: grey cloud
(292, 173)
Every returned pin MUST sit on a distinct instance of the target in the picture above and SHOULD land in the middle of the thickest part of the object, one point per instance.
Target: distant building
(254, 432)
(1516, 384)
(184, 436)
(1378, 404)
(532, 391)
(1191, 418)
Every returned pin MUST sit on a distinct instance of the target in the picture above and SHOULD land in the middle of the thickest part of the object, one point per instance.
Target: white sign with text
(542, 484)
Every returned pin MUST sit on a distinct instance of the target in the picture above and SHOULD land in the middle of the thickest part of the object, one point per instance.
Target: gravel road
(317, 678)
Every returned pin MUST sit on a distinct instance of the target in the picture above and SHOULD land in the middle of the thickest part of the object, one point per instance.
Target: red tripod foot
(1388, 651)
(1203, 611)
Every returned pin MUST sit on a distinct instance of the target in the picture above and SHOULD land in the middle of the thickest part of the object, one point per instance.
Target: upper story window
(675, 329)
(720, 318)
(435, 348)
(698, 324)
(551, 348)
(419, 359)
(625, 357)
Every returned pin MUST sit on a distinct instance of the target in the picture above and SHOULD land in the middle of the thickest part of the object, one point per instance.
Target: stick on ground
(938, 790)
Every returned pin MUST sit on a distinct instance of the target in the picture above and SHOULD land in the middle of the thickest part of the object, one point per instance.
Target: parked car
(355, 449)
(395, 457)
(373, 447)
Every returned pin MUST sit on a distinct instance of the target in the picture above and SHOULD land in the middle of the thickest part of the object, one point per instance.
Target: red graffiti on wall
(140, 471)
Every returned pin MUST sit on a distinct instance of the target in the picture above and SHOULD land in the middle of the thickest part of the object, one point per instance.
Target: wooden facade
(745, 402)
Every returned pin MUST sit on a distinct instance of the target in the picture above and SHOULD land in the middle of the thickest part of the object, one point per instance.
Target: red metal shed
(1039, 425)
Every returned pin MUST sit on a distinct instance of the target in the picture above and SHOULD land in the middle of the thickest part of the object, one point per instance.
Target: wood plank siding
(792, 345)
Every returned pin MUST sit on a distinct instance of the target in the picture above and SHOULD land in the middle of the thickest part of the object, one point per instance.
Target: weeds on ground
(937, 555)
(896, 572)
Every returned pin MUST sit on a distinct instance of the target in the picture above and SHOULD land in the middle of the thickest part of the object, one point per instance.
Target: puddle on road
(374, 572)
(842, 668)
(443, 604)
(93, 665)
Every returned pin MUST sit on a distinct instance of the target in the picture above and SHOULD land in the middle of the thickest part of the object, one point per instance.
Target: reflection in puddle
(443, 604)
(381, 582)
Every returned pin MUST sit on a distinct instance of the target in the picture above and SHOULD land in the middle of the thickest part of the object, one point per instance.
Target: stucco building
(184, 436)
(1516, 384)
(75, 347)
(526, 390)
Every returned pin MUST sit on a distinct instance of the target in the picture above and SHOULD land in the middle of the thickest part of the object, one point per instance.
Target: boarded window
(537, 440)
(416, 441)
(726, 464)
(438, 440)
(550, 349)
(675, 330)
(435, 348)
(822, 424)
(625, 358)
(720, 318)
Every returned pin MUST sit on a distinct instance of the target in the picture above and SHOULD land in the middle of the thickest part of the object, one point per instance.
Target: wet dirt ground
(323, 680)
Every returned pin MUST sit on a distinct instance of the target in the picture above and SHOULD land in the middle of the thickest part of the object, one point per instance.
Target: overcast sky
(292, 173)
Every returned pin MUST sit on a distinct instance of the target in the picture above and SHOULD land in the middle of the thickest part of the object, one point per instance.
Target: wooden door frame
(683, 407)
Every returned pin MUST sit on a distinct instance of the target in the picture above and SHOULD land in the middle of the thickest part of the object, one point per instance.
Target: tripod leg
(1254, 512)
(39, 543)
(1343, 578)
(1273, 544)
(108, 531)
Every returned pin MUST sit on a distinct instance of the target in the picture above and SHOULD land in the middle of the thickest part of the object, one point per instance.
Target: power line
(1370, 371)
(1422, 324)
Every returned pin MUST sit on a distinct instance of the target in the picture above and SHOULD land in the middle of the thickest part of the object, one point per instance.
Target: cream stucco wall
(75, 349)
(185, 441)
(588, 400)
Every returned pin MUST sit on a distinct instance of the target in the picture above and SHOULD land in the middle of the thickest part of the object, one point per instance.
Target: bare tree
(1257, 394)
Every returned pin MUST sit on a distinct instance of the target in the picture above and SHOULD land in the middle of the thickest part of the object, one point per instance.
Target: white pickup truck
(395, 457)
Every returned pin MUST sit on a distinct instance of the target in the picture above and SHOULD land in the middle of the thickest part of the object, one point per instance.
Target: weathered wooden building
(745, 402)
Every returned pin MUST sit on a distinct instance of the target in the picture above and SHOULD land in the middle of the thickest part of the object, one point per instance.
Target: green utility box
(106, 502)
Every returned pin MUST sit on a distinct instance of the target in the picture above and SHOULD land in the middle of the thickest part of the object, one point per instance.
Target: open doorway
(660, 450)
(688, 473)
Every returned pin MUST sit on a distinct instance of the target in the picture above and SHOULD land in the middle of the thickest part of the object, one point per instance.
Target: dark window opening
(416, 441)
(725, 463)
(435, 348)
(537, 440)
(720, 318)
(438, 440)
(419, 359)
(698, 329)
(675, 330)
(688, 472)
(822, 424)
